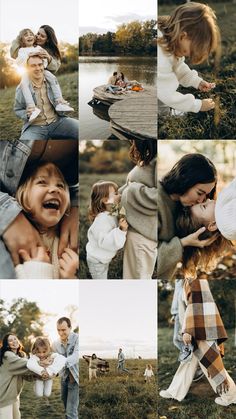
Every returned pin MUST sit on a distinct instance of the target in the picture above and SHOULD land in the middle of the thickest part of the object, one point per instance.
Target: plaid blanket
(203, 322)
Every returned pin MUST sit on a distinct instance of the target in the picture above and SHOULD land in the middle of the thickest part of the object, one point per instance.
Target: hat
(225, 211)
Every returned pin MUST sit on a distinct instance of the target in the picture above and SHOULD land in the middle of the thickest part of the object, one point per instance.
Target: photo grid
(117, 187)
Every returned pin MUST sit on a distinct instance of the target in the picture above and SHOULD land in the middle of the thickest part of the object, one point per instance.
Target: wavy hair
(143, 151)
(5, 347)
(51, 44)
(99, 192)
(21, 34)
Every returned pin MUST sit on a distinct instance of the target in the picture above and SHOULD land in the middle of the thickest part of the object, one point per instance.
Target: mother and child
(118, 83)
(134, 226)
(39, 217)
(44, 363)
(190, 31)
(39, 101)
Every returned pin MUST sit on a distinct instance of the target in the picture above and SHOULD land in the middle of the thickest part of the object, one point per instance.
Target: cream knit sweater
(11, 381)
(225, 211)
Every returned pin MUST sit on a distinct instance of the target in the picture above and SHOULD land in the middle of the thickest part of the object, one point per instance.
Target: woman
(47, 40)
(192, 179)
(12, 369)
(139, 198)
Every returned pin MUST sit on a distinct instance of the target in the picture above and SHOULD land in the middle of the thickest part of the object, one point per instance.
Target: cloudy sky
(114, 314)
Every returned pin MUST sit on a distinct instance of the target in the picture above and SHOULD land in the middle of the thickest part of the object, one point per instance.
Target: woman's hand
(187, 338)
(69, 263)
(21, 235)
(207, 105)
(39, 255)
(205, 86)
(193, 239)
(69, 231)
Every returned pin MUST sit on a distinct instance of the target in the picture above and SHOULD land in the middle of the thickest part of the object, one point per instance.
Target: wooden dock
(100, 95)
(135, 117)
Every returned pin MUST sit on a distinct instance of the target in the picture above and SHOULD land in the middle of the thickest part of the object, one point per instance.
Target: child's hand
(207, 105)
(45, 375)
(187, 338)
(39, 255)
(69, 263)
(123, 225)
(204, 86)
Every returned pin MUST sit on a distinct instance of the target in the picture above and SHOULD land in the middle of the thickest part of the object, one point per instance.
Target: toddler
(44, 197)
(191, 31)
(26, 41)
(107, 234)
(148, 373)
(46, 364)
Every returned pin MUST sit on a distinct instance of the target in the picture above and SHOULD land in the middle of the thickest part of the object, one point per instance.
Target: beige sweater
(11, 380)
(139, 198)
(170, 249)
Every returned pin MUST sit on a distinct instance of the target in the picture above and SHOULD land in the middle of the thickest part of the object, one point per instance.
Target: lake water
(94, 71)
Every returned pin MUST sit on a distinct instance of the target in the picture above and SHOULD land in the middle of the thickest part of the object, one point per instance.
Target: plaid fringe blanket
(203, 322)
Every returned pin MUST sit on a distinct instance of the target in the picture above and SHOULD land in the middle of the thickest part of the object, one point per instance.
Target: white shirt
(23, 55)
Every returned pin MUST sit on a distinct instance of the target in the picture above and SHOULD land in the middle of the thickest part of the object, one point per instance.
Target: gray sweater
(139, 198)
(170, 249)
(11, 378)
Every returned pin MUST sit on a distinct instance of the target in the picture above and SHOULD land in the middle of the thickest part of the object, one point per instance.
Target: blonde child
(190, 31)
(44, 363)
(26, 41)
(148, 373)
(106, 235)
(44, 198)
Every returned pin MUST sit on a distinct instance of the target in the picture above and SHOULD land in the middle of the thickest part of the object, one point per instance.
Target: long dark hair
(51, 45)
(5, 347)
(191, 169)
(143, 151)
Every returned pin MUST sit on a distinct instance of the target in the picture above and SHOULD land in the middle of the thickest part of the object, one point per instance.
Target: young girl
(148, 373)
(46, 364)
(106, 235)
(44, 197)
(191, 31)
(26, 41)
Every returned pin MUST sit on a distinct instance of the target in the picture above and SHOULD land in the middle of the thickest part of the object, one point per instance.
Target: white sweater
(104, 238)
(23, 55)
(225, 211)
(53, 369)
(172, 72)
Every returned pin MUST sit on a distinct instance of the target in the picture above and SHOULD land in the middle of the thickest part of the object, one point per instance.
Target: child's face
(184, 45)
(13, 342)
(114, 197)
(28, 39)
(205, 212)
(42, 352)
(49, 198)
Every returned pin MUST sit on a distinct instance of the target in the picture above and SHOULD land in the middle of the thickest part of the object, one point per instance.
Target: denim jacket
(13, 157)
(20, 104)
(71, 352)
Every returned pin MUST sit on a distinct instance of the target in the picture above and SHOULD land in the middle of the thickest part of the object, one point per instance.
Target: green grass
(118, 396)
(11, 125)
(219, 123)
(199, 402)
(86, 182)
(33, 407)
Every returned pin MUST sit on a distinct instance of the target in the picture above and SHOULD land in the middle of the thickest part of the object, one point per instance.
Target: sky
(114, 314)
(63, 16)
(53, 297)
(105, 15)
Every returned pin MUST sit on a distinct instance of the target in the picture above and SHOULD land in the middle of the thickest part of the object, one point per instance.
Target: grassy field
(11, 125)
(199, 403)
(33, 407)
(219, 123)
(118, 396)
(86, 182)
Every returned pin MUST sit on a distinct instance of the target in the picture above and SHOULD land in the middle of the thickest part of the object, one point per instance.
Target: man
(121, 361)
(68, 345)
(49, 123)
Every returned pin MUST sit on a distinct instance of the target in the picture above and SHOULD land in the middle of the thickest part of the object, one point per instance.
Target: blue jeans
(70, 398)
(63, 128)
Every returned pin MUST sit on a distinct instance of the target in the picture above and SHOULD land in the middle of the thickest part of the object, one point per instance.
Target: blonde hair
(20, 36)
(22, 194)
(199, 22)
(195, 258)
(100, 190)
(41, 342)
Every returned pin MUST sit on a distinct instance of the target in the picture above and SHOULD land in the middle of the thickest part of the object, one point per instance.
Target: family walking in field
(44, 363)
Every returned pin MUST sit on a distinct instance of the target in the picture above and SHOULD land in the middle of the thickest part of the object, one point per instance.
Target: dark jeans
(63, 128)
(70, 398)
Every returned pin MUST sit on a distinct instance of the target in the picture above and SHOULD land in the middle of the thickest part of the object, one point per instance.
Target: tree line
(134, 38)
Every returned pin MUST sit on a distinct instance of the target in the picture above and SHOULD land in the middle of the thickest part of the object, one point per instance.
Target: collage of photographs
(117, 187)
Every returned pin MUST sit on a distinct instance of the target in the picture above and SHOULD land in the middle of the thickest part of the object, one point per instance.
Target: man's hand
(21, 235)
(69, 231)
(69, 263)
(29, 110)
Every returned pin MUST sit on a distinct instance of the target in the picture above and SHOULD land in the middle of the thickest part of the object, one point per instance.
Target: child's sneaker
(64, 107)
(34, 114)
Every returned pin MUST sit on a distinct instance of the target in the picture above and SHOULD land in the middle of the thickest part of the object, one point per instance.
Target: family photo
(118, 207)
(39, 209)
(118, 347)
(39, 74)
(196, 70)
(39, 351)
(196, 209)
